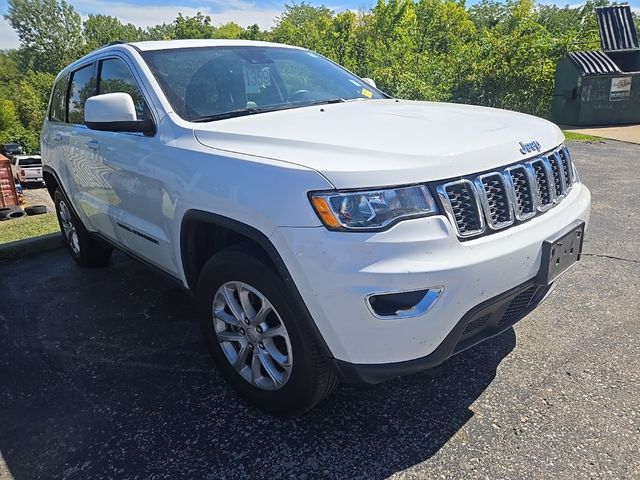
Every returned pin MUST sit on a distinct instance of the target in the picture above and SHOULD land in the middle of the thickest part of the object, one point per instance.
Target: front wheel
(257, 337)
(84, 249)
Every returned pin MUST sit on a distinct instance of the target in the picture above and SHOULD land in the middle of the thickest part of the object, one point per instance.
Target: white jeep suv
(328, 231)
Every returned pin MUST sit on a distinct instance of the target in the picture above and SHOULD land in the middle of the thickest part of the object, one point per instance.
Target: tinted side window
(57, 112)
(115, 77)
(83, 86)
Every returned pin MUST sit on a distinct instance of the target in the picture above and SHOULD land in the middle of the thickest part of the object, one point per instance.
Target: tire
(84, 249)
(9, 213)
(309, 379)
(36, 210)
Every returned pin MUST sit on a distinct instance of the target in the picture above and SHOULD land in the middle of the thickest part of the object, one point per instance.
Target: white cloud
(8, 37)
(239, 11)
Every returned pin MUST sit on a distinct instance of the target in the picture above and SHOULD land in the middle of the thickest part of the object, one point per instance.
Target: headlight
(372, 209)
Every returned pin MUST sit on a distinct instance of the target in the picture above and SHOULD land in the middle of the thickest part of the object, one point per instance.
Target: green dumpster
(601, 87)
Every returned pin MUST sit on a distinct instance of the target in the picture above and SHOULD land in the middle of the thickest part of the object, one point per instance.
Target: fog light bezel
(431, 296)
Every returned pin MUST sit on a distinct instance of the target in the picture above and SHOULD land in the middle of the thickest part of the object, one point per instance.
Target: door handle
(93, 145)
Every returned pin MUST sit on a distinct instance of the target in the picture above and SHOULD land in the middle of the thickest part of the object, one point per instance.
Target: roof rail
(114, 42)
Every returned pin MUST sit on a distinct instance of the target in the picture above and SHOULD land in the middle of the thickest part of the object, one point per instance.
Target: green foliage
(306, 26)
(8, 115)
(50, 33)
(193, 27)
(101, 29)
(495, 53)
(229, 30)
(253, 32)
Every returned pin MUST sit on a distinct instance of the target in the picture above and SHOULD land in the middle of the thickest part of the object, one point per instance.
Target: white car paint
(369, 143)
(259, 170)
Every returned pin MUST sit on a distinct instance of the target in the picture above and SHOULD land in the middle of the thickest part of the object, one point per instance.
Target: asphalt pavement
(103, 374)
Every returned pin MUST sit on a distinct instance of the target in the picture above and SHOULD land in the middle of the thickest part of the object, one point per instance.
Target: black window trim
(67, 75)
(92, 63)
(143, 91)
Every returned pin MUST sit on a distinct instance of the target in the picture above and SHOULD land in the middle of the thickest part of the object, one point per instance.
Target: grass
(27, 227)
(580, 137)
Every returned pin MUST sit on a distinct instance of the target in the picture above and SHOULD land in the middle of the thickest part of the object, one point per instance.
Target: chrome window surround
(559, 160)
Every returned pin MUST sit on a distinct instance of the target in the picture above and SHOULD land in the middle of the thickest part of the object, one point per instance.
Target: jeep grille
(495, 200)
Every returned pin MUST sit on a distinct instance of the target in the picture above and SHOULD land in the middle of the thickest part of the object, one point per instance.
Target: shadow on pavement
(103, 374)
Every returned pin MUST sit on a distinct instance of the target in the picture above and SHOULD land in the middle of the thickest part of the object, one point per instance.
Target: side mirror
(370, 81)
(115, 112)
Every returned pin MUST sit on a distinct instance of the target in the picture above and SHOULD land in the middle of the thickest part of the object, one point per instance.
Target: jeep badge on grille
(529, 147)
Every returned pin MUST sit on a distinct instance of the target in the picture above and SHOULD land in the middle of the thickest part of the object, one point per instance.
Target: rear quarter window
(58, 100)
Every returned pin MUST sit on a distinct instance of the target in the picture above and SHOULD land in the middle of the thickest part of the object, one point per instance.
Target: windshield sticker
(256, 77)
(366, 93)
(355, 83)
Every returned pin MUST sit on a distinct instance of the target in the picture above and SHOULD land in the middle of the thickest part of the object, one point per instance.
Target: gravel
(38, 195)
(103, 375)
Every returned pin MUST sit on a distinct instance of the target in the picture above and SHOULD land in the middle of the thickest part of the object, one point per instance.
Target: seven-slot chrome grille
(495, 200)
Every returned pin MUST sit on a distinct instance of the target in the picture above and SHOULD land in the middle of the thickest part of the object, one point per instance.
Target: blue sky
(243, 12)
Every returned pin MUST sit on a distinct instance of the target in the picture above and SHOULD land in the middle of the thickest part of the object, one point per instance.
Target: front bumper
(336, 271)
(484, 321)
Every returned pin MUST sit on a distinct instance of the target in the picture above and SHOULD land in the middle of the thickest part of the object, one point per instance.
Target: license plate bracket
(560, 253)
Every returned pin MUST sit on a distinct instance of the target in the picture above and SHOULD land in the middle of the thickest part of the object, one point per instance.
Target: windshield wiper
(321, 102)
(254, 110)
(223, 115)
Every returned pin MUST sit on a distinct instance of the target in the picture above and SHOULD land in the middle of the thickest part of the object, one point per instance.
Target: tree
(99, 30)
(503, 74)
(229, 30)
(254, 32)
(50, 33)
(306, 26)
(193, 27)
(160, 32)
(487, 13)
(8, 115)
(391, 48)
(32, 97)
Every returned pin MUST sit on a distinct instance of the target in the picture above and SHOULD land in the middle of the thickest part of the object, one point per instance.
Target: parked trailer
(8, 194)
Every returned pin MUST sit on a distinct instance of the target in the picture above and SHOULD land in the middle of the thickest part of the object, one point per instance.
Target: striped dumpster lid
(617, 30)
(594, 63)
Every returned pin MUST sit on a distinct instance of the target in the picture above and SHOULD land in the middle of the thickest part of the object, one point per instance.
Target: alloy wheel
(69, 228)
(252, 335)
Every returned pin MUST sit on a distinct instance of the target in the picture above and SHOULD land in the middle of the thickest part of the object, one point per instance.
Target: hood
(384, 142)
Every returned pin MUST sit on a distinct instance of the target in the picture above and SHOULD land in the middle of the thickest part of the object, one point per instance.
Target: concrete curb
(30, 246)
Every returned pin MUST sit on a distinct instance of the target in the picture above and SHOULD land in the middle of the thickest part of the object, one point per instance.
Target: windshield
(30, 162)
(210, 83)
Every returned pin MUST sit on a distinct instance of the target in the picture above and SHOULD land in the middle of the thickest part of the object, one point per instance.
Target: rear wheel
(257, 337)
(84, 249)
